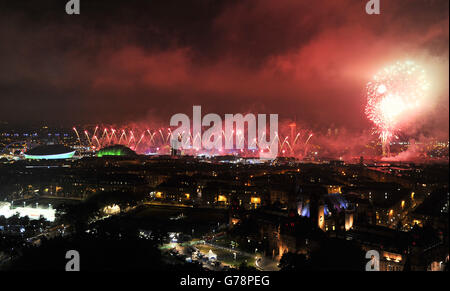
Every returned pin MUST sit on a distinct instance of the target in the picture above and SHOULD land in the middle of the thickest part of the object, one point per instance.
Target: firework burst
(145, 140)
(393, 95)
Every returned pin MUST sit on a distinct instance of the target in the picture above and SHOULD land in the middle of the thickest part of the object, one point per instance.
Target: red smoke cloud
(301, 59)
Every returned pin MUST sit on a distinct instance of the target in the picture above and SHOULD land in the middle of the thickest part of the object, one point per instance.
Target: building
(8, 210)
(116, 151)
(50, 152)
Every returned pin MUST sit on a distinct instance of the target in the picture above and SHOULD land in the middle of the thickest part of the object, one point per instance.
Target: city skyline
(224, 142)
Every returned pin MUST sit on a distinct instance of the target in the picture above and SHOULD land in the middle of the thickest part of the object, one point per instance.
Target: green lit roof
(116, 151)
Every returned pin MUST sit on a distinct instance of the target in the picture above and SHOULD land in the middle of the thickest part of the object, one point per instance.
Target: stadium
(50, 152)
(116, 151)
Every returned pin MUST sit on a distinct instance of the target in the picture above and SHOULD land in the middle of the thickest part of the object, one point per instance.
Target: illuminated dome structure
(116, 151)
(50, 152)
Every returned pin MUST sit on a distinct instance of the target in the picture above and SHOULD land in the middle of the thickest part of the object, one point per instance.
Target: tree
(293, 262)
(243, 267)
(337, 254)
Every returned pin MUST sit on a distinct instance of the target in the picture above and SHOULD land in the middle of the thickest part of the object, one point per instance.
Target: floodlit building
(7, 210)
(49, 152)
(116, 151)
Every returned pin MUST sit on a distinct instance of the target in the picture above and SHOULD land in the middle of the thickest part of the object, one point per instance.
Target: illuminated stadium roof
(50, 152)
(117, 151)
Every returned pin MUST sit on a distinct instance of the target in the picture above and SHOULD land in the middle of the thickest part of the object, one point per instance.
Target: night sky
(143, 61)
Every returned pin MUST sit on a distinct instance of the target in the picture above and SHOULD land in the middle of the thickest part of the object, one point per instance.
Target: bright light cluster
(32, 212)
(51, 157)
(393, 94)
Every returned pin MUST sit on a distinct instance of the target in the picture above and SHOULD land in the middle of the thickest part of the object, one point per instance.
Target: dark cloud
(124, 61)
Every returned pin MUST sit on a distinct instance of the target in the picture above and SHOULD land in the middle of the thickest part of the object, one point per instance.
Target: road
(264, 264)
